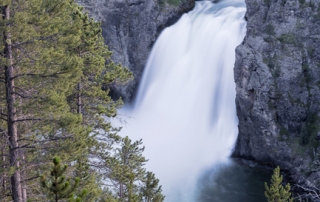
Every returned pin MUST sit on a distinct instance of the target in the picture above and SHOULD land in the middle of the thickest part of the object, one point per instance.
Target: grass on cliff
(170, 2)
(174, 2)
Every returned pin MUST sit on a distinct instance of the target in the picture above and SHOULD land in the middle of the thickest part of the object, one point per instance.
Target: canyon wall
(277, 75)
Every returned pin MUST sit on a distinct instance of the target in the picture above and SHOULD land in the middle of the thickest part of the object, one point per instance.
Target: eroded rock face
(277, 75)
(130, 27)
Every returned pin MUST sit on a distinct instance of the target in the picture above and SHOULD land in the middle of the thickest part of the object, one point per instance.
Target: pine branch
(2, 114)
(44, 141)
(29, 179)
(27, 119)
(16, 45)
(27, 146)
(39, 75)
(22, 96)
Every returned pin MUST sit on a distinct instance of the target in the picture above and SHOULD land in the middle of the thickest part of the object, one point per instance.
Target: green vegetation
(268, 39)
(170, 2)
(152, 190)
(316, 17)
(277, 72)
(174, 2)
(302, 2)
(269, 61)
(287, 39)
(53, 64)
(271, 104)
(57, 185)
(269, 29)
(276, 192)
(267, 2)
(318, 84)
(127, 172)
(284, 133)
(305, 80)
(310, 130)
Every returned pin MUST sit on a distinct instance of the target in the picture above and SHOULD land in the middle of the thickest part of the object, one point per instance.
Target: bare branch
(310, 191)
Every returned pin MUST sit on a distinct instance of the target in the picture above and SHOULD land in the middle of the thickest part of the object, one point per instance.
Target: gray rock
(130, 27)
(277, 75)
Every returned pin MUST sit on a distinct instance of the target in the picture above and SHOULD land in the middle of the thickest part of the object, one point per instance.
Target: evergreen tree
(89, 99)
(53, 64)
(107, 196)
(152, 192)
(128, 176)
(38, 70)
(58, 186)
(125, 168)
(89, 181)
(276, 192)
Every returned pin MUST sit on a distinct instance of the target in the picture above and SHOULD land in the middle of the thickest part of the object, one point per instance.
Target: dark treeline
(56, 143)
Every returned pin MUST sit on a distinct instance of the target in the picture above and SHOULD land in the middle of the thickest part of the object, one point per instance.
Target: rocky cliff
(277, 75)
(130, 27)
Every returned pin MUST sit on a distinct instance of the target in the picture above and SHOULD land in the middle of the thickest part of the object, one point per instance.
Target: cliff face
(277, 75)
(130, 27)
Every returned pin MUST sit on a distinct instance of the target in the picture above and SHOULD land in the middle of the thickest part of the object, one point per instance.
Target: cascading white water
(185, 107)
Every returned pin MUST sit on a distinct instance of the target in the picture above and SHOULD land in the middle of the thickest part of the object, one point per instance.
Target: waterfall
(185, 106)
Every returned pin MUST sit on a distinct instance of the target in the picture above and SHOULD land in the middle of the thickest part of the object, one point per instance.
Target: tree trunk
(79, 99)
(24, 193)
(4, 175)
(23, 176)
(11, 113)
(121, 191)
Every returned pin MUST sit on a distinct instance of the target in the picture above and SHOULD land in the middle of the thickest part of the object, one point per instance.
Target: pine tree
(37, 73)
(89, 99)
(128, 176)
(276, 192)
(151, 191)
(107, 196)
(58, 186)
(53, 64)
(126, 168)
(89, 180)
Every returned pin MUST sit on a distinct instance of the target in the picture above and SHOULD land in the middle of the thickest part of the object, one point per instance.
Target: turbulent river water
(185, 107)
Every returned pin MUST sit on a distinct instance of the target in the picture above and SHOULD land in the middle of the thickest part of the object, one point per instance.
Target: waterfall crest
(185, 107)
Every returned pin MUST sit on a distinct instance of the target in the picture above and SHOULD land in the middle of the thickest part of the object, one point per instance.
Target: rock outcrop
(130, 27)
(277, 75)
